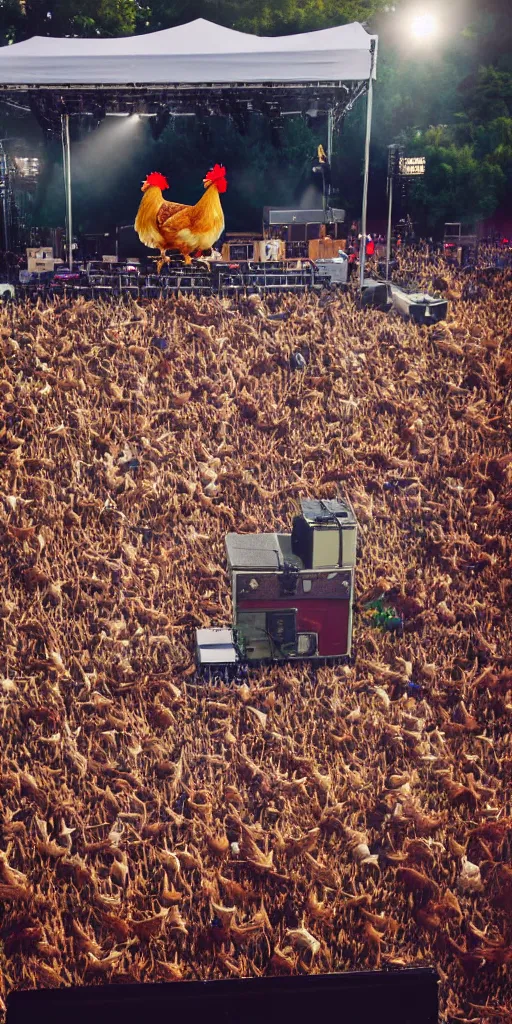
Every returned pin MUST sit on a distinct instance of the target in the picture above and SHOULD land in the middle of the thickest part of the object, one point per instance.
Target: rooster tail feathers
(146, 219)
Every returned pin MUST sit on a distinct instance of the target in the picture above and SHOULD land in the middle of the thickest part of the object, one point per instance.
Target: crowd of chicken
(155, 827)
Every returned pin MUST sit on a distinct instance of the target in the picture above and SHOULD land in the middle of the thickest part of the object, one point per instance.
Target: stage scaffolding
(54, 104)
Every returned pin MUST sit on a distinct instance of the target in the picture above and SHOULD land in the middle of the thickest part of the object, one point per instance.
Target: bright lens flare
(424, 26)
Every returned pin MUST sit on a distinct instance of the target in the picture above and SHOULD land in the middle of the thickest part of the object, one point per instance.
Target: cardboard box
(323, 248)
(272, 249)
(41, 253)
(37, 266)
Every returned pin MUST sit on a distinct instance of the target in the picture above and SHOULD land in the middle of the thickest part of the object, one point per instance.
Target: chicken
(190, 229)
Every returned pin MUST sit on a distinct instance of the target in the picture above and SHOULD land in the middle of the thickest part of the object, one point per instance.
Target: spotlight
(98, 112)
(47, 119)
(424, 26)
(275, 132)
(27, 167)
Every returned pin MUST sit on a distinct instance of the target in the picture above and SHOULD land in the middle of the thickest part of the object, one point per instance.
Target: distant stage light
(159, 122)
(424, 26)
(27, 167)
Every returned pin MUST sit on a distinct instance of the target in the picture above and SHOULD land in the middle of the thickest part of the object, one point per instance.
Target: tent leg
(369, 106)
(66, 155)
(3, 187)
(388, 236)
(330, 127)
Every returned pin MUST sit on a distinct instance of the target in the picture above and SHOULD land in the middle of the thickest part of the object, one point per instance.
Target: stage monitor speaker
(419, 306)
(272, 216)
(97, 245)
(376, 294)
(335, 216)
(338, 231)
(303, 232)
(129, 245)
(241, 251)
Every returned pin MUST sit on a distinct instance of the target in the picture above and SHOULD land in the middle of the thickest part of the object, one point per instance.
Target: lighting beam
(424, 26)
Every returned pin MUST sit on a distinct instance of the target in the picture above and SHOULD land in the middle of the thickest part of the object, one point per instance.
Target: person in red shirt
(370, 246)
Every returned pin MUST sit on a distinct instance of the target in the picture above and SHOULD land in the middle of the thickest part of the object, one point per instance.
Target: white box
(42, 253)
(39, 266)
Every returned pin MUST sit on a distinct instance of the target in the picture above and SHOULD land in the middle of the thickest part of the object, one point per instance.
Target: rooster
(190, 229)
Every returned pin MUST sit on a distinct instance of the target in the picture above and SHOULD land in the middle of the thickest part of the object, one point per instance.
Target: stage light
(27, 167)
(240, 116)
(98, 112)
(424, 26)
(159, 123)
(276, 126)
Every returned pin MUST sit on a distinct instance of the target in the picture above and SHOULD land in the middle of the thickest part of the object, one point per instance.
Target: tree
(489, 91)
(20, 19)
(12, 20)
(458, 184)
(270, 17)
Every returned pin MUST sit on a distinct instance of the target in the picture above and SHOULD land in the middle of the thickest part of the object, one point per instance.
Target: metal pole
(3, 177)
(66, 156)
(390, 210)
(369, 106)
(330, 126)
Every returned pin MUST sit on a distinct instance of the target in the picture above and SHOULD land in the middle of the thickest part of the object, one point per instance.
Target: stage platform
(111, 280)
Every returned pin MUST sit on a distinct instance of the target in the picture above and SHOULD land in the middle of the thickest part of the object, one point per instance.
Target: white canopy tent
(195, 53)
(199, 54)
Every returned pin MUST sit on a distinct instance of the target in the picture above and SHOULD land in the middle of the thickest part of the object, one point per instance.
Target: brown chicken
(189, 229)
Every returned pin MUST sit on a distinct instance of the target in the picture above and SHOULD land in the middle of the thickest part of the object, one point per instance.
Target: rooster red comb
(217, 176)
(157, 179)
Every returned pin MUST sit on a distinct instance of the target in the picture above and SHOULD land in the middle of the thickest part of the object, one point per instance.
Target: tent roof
(197, 53)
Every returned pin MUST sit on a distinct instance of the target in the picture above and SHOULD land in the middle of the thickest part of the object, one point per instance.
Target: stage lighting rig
(241, 115)
(47, 118)
(158, 124)
(272, 110)
(276, 126)
(27, 168)
(99, 112)
(204, 130)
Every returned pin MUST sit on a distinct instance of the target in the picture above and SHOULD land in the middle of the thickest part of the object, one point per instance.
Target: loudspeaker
(376, 294)
(272, 215)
